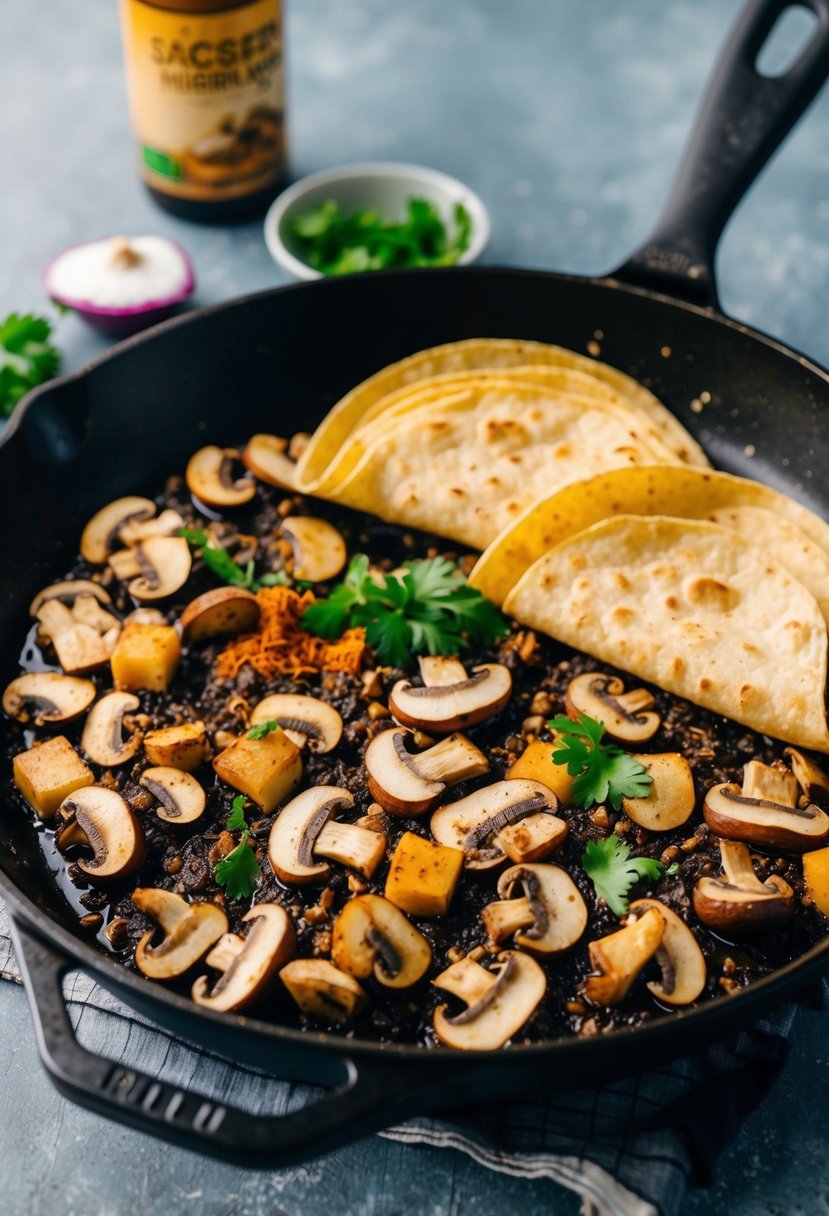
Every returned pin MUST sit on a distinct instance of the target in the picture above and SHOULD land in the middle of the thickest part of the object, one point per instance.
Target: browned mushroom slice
(181, 798)
(738, 904)
(680, 958)
(165, 524)
(319, 549)
(498, 1002)
(322, 991)
(100, 536)
(449, 699)
(306, 721)
(103, 733)
(548, 918)
(619, 957)
(47, 698)
(209, 476)
(164, 564)
(408, 783)
(225, 610)
(373, 937)
(623, 714)
(79, 647)
(68, 591)
(305, 830)
(267, 458)
(765, 811)
(189, 932)
(269, 944)
(672, 798)
(475, 823)
(109, 827)
(809, 776)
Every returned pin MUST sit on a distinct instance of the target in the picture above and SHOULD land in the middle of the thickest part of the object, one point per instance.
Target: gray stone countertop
(568, 117)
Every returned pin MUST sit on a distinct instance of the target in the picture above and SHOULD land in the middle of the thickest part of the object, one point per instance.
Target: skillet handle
(742, 120)
(367, 1096)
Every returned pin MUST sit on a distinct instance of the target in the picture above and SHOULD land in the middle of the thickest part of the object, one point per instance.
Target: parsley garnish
(612, 871)
(603, 771)
(26, 358)
(261, 729)
(347, 244)
(423, 606)
(224, 567)
(239, 872)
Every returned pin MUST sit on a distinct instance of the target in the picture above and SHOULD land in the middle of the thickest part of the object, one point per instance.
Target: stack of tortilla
(602, 523)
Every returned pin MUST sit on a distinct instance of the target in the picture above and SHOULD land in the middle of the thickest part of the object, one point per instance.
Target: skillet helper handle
(368, 1096)
(743, 118)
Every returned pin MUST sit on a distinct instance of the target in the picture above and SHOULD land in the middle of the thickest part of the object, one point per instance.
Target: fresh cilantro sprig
(425, 606)
(239, 872)
(224, 567)
(262, 728)
(603, 771)
(612, 871)
(26, 358)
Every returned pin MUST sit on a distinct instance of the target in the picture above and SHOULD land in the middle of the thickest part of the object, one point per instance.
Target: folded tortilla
(694, 608)
(476, 354)
(468, 467)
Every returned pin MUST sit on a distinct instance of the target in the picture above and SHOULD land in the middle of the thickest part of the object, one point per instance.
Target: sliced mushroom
(181, 798)
(498, 1002)
(267, 458)
(48, 773)
(87, 610)
(672, 798)
(47, 698)
(209, 476)
(680, 958)
(225, 610)
(183, 747)
(476, 823)
(100, 535)
(373, 937)
(79, 647)
(319, 549)
(304, 830)
(449, 699)
(408, 783)
(163, 564)
(548, 918)
(623, 714)
(322, 991)
(103, 733)
(619, 957)
(739, 904)
(765, 811)
(68, 591)
(109, 827)
(189, 932)
(165, 524)
(270, 943)
(809, 776)
(306, 721)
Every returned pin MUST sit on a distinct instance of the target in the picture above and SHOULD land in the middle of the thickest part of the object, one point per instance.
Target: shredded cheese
(282, 647)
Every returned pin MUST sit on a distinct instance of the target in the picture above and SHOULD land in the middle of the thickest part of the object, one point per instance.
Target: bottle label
(206, 97)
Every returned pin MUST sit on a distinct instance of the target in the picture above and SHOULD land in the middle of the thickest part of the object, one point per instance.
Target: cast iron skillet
(276, 362)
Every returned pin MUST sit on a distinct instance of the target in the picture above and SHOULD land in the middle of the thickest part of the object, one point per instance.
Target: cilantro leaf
(26, 358)
(236, 821)
(612, 871)
(603, 771)
(224, 567)
(239, 872)
(262, 728)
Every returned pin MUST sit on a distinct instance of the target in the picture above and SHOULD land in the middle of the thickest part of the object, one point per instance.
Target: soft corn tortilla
(471, 465)
(471, 355)
(789, 532)
(694, 608)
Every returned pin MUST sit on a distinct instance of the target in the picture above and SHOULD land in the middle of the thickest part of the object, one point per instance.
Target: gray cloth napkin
(628, 1149)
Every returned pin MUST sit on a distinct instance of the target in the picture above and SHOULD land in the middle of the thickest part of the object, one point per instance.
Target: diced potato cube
(184, 747)
(50, 772)
(266, 769)
(423, 875)
(145, 656)
(535, 764)
(816, 878)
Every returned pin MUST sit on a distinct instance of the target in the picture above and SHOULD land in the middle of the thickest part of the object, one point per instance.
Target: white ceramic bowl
(382, 185)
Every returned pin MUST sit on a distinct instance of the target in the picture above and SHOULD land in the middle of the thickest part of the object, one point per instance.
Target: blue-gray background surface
(567, 116)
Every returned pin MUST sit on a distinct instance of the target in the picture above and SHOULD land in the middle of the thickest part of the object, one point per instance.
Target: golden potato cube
(145, 656)
(184, 747)
(423, 875)
(266, 769)
(535, 764)
(816, 878)
(50, 772)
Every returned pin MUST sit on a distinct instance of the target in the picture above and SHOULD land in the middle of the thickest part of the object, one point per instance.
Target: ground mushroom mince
(182, 857)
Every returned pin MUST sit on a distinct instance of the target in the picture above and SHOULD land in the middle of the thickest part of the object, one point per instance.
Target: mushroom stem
(359, 848)
(739, 871)
(441, 671)
(454, 759)
(467, 980)
(764, 783)
(505, 917)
